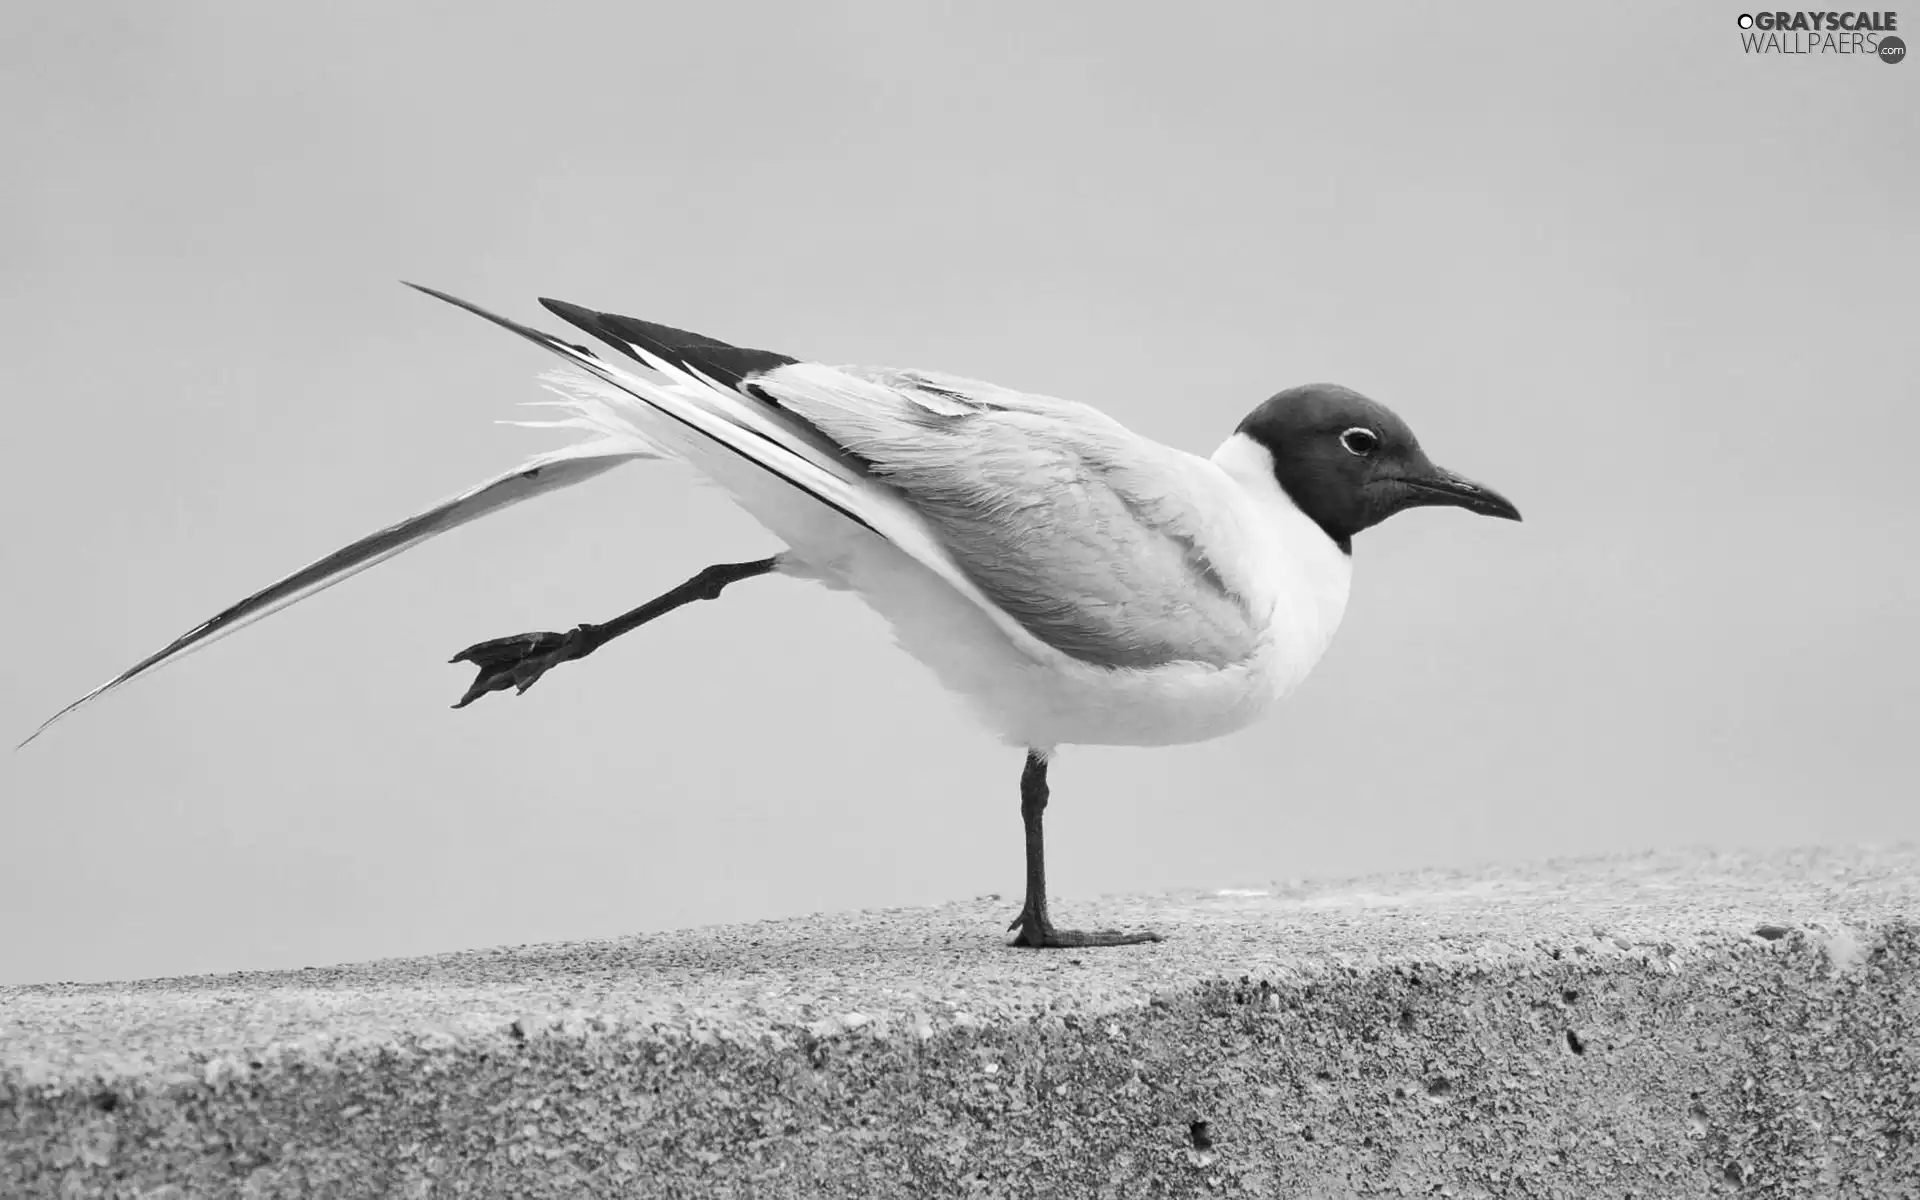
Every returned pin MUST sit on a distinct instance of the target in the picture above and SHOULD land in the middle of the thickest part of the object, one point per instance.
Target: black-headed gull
(1072, 581)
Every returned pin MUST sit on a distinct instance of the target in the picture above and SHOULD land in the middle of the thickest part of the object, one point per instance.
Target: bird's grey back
(1076, 527)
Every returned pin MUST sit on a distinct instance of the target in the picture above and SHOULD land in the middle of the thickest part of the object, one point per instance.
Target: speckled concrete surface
(1652, 1026)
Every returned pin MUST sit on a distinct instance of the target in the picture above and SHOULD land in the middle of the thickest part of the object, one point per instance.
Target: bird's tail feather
(541, 474)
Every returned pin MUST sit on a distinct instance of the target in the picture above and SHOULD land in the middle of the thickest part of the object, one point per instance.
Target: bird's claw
(1037, 932)
(519, 661)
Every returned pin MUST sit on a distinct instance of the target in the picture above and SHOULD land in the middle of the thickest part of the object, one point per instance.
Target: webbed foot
(1036, 931)
(519, 661)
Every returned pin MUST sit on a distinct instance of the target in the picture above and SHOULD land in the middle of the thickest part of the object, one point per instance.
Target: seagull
(1071, 581)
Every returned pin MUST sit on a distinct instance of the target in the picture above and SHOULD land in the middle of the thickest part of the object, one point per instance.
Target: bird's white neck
(1296, 573)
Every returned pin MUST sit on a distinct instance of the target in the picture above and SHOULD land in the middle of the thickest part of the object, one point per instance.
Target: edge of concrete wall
(1648, 1025)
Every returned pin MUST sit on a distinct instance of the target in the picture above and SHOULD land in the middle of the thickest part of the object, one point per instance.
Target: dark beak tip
(1449, 487)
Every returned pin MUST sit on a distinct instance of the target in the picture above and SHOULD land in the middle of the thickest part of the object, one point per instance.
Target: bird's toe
(507, 651)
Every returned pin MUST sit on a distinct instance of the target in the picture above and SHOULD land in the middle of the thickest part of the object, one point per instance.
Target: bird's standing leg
(1034, 926)
(518, 661)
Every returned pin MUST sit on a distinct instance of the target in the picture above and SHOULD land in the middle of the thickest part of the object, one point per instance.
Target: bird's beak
(1438, 485)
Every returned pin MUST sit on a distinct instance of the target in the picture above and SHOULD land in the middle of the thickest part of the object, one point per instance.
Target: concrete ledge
(1653, 1026)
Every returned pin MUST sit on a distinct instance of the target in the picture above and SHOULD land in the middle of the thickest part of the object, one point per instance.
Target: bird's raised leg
(519, 661)
(1034, 926)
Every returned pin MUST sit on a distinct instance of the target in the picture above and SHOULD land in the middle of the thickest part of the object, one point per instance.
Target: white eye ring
(1360, 441)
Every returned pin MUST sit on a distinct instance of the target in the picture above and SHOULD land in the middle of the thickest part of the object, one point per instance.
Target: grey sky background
(1659, 292)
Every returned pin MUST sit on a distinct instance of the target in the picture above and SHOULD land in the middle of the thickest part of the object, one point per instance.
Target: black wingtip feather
(526, 331)
(722, 362)
(732, 366)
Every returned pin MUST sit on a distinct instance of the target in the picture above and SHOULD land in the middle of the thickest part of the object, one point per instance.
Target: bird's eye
(1360, 440)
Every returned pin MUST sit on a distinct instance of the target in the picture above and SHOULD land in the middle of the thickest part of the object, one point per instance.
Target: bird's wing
(1104, 545)
(543, 473)
(1074, 535)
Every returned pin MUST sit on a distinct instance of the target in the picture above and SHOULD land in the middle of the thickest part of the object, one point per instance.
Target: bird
(1071, 581)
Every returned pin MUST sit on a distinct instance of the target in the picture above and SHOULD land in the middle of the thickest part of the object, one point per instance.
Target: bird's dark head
(1350, 463)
